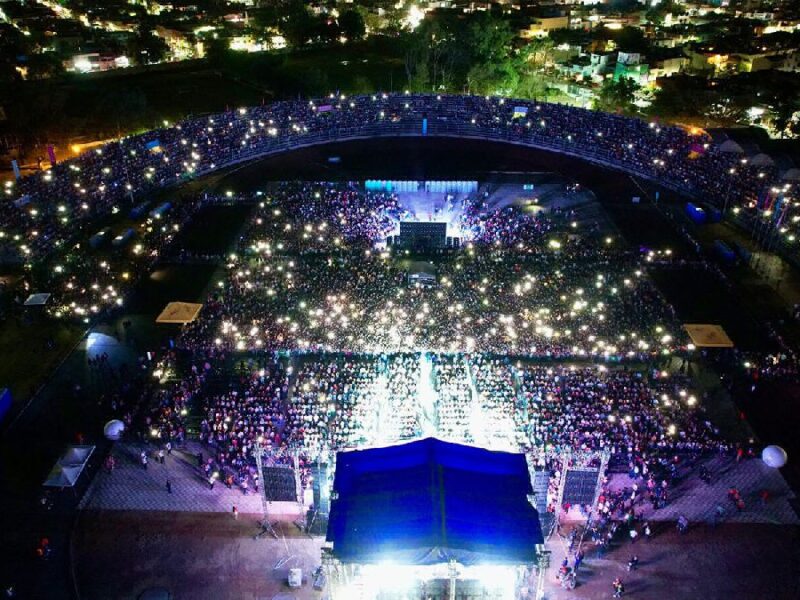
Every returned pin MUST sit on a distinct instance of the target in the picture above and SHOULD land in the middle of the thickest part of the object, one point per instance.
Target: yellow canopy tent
(708, 336)
(179, 312)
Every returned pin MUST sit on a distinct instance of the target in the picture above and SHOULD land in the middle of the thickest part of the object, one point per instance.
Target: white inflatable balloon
(774, 456)
(114, 429)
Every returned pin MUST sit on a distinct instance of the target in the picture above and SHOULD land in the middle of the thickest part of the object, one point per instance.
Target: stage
(431, 513)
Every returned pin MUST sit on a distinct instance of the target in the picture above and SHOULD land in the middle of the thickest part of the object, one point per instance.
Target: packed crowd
(497, 398)
(334, 403)
(248, 413)
(456, 410)
(642, 419)
(326, 404)
(55, 207)
(403, 378)
(648, 422)
(308, 277)
(95, 277)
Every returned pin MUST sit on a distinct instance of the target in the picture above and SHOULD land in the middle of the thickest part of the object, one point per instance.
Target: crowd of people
(94, 278)
(365, 357)
(312, 405)
(314, 278)
(497, 398)
(403, 381)
(246, 413)
(642, 419)
(333, 402)
(456, 409)
(327, 403)
(355, 353)
(52, 208)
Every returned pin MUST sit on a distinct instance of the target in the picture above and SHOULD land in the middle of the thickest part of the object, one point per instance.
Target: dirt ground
(732, 562)
(198, 556)
(211, 555)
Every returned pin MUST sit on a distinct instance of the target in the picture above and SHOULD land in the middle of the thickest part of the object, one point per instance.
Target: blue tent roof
(429, 501)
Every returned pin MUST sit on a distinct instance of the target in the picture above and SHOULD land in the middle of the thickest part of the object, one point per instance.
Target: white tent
(68, 468)
(62, 476)
(792, 174)
(731, 147)
(76, 455)
(37, 299)
(762, 160)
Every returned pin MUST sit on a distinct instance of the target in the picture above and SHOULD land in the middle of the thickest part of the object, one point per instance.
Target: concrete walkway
(697, 500)
(131, 487)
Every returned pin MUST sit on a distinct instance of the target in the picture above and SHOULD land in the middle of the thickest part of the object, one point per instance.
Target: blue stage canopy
(428, 502)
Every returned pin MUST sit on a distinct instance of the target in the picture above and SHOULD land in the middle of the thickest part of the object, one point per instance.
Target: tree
(617, 96)
(419, 78)
(489, 38)
(147, 48)
(44, 66)
(624, 6)
(297, 25)
(786, 118)
(264, 17)
(489, 42)
(352, 25)
(573, 37)
(531, 85)
(436, 53)
(325, 30)
(493, 78)
(362, 85)
(781, 92)
(678, 96)
(727, 110)
(217, 51)
(537, 53)
(630, 39)
(656, 14)
(448, 51)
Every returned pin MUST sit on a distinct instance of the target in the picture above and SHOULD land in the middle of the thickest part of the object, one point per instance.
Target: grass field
(82, 108)
(30, 351)
(212, 229)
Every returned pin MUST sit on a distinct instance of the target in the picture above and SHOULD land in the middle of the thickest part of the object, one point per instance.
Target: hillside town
(707, 63)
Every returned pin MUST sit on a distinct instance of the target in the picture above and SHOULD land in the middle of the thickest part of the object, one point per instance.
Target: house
(766, 61)
(90, 62)
(666, 63)
(592, 67)
(629, 66)
(542, 26)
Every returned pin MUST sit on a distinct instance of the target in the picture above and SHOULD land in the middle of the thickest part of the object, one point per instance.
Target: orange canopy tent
(708, 336)
(179, 312)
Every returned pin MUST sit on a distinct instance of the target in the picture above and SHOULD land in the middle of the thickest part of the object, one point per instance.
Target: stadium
(427, 346)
